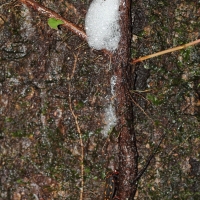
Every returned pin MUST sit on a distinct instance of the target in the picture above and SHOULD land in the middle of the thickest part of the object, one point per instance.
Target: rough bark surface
(127, 141)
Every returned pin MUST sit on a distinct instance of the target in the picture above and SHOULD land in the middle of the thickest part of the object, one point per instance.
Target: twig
(78, 130)
(81, 143)
(74, 67)
(50, 13)
(140, 91)
(165, 51)
(139, 175)
(141, 109)
(137, 92)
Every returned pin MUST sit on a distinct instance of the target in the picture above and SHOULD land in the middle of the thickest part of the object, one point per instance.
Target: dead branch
(165, 51)
(128, 155)
(50, 13)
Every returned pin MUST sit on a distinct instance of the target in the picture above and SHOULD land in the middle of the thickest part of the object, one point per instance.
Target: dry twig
(165, 51)
(78, 130)
(142, 109)
(51, 13)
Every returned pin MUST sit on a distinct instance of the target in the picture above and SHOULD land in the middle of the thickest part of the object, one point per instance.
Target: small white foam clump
(113, 81)
(110, 115)
(102, 26)
(110, 119)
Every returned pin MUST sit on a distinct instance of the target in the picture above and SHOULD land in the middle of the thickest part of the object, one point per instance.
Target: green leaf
(53, 23)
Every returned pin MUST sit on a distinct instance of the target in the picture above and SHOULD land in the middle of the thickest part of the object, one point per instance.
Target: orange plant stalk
(165, 51)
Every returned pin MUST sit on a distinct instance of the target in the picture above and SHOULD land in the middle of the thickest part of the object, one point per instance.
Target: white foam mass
(110, 115)
(113, 81)
(102, 26)
(110, 119)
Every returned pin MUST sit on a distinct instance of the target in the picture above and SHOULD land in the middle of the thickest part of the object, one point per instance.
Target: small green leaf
(53, 23)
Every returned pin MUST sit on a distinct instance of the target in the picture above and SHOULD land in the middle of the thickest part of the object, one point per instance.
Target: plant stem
(78, 130)
(165, 51)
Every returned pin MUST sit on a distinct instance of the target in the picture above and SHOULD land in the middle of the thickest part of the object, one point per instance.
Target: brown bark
(127, 142)
(120, 61)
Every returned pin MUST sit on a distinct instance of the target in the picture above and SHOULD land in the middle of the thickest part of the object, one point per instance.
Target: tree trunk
(128, 156)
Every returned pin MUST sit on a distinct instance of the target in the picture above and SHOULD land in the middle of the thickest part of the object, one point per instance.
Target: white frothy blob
(102, 24)
(110, 120)
(113, 81)
(110, 115)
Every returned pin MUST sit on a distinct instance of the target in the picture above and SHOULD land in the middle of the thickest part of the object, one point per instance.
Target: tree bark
(128, 156)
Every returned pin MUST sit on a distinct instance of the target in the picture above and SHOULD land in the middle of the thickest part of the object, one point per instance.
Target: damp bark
(127, 141)
(38, 137)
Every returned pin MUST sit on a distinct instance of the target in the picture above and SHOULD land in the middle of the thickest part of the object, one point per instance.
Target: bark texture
(127, 142)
